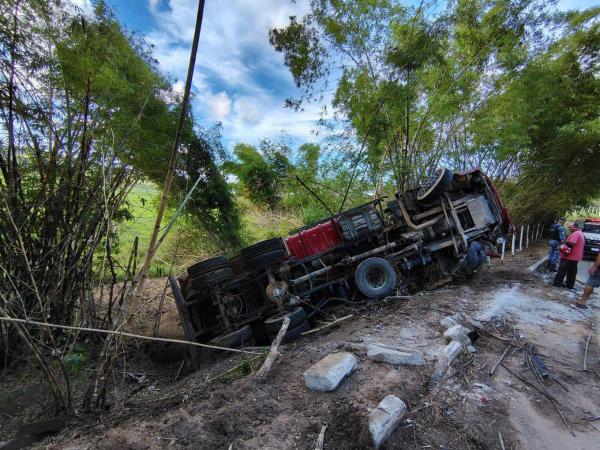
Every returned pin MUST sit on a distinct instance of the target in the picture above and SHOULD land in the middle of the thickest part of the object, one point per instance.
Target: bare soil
(222, 406)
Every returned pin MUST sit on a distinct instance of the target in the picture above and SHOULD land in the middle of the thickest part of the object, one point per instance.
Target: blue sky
(239, 79)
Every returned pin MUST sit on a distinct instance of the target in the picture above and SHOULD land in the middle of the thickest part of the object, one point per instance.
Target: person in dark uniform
(557, 237)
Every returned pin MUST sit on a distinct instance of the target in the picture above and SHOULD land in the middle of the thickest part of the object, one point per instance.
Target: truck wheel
(375, 277)
(433, 187)
(237, 264)
(208, 265)
(211, 278)
(265, 260)
(293, 333)
(237, 338)
(260, 248)
(273, 323)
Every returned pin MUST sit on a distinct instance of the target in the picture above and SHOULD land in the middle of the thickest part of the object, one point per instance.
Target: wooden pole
(171, 170)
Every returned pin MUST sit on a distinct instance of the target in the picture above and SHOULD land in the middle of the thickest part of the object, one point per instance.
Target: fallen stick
(274, 352)
(321, 438)
(501, 441)
(330, 324)
(122, 333)
(497, 363)
(587, 345)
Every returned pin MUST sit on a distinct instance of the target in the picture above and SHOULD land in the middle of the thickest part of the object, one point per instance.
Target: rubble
(394, 355)
(458, 333)
(328, 373)
(450, 321)
(384, 419)
(447, 354)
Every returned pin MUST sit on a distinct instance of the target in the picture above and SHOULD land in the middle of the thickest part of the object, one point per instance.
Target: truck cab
(591, 231)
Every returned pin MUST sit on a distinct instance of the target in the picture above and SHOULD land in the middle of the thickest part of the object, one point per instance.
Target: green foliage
(484, 83)
(548, 120)
(260, 177)
(75, 358)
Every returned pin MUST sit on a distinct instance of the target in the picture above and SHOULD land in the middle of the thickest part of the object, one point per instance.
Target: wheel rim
(376, 278)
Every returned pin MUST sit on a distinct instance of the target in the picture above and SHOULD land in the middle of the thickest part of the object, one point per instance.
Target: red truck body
(314, 240)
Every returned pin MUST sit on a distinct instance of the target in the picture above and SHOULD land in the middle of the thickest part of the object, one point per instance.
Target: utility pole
(173, 160)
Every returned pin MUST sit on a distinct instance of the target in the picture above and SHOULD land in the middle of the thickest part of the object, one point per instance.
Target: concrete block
(327, 374)
(458, 333)
(384, 419)
(448, 322)
(394, 355)
(450, 351)
(447, 354)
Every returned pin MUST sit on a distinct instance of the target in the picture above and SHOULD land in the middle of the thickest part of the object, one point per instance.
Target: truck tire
(237, 264)
(208, 265)
(211, 278)
(265, 260)
(260, 248)
(237, 338)
(293, 333)
(273, 323)
(375, 277)
(435, 185)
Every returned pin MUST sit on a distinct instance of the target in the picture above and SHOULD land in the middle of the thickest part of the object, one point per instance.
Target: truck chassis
(427, 236)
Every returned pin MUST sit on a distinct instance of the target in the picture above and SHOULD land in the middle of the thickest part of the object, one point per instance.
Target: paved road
(582, 270)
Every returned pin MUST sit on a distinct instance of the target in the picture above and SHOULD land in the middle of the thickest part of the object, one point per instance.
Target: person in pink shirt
(570, 254)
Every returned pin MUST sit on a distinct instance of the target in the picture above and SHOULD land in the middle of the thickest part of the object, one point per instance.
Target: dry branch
(585, 353)
(330, 324)
(124, 334)
(495, 366)
(274, 352)
(321, 438)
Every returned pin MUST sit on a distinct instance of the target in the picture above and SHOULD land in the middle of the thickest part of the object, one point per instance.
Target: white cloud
(84, 5)
(239, 79)
(219, 105)
(178, 88)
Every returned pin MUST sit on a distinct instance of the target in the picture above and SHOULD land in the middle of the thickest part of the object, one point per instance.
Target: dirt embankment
(217, 407)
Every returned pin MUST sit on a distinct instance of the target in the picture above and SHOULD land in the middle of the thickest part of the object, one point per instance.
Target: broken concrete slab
(450, 351)
(327, 374)
(458, 333)
(447, 354)
(394, 355)
(448, 322)
(384, 419)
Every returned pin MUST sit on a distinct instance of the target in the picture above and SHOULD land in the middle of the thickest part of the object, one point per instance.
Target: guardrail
(521, 236)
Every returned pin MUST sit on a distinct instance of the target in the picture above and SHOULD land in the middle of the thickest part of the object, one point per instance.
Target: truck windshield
(591, 227)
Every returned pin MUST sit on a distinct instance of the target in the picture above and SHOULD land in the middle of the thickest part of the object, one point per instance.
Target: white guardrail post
(513, 241)
(521, 238)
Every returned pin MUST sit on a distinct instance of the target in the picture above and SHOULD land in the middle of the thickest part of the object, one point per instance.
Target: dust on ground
(217, 407)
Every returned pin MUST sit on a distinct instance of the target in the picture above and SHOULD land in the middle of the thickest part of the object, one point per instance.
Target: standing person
(592, 282)
(571, 252)
(557, 237)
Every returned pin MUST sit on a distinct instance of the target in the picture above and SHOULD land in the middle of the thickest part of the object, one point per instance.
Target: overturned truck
(427, 236)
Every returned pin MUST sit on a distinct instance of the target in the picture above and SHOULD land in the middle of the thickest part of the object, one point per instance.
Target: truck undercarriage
(443, 230)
